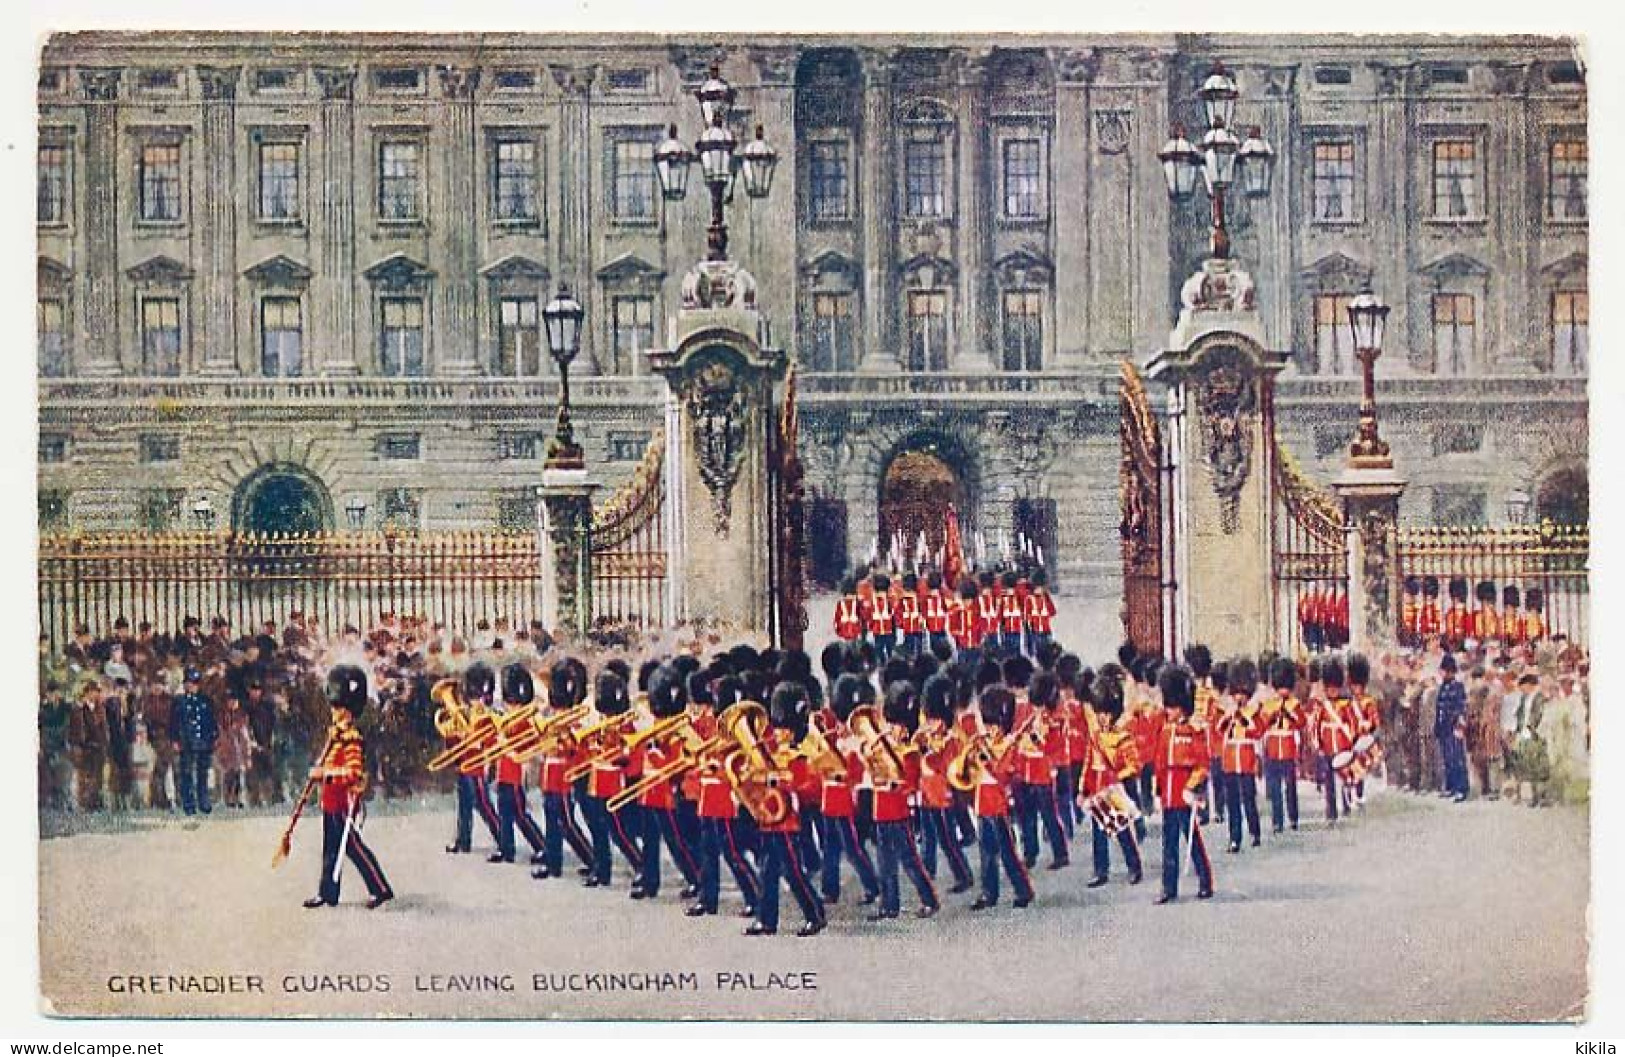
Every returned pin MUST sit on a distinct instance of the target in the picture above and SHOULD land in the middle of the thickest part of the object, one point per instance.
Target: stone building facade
(300, 276)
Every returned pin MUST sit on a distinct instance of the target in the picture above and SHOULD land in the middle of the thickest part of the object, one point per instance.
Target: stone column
(217, 221)
(565, 543)
(1070, 194)
(100, 339)
(974, 349)
(576, 190)
(876, 174)
(1371, 513)
(1221, 377)
(767, 248)
(458, 319)
(333, 286)
(1275, 257)
(1394, 256)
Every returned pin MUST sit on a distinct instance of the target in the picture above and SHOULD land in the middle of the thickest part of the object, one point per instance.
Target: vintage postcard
(994, 527)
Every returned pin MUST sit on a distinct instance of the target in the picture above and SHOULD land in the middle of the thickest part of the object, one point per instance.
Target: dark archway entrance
(1564, 497)
(925, 476)
(282, 498)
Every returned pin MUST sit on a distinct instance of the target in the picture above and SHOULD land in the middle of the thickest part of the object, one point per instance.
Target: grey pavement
(1417, 910)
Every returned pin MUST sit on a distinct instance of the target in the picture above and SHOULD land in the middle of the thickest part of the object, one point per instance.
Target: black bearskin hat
(1534, 599)
(1241, 676)
(609, 694)
(567, 684)
(1331, 673)
(518, 688)
(1412, 585)
(1283, 674)
(1458, 589)
(1430, 586)
(666, 695)
(1200, 659)
(347, 688)
(479, 682)
(1509, 596)
(1359, 669)
(1485, 592)
(1044, 691)
(1178, 688)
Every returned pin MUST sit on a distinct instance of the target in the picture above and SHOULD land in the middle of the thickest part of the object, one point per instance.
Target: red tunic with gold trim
(1182, 763)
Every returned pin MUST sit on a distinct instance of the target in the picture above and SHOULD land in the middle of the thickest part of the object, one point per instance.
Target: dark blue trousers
(192, 779)
(999, 850)
(372, 875)
(1066, 797)
(1176, 822)
(897, 849)
(841, 839)
(1281, 782)
(605, 827)
(1102, 850)
(1241, 792)
(660, 826)
(512, 812)
(1035, 804)
(937, 828)
(717, 842)
(561, 827)
(781, 859)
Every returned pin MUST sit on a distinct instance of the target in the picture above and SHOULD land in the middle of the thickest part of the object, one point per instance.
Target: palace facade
(300, 276)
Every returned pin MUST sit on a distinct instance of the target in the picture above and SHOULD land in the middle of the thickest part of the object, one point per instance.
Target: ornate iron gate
(1144, 524)
(629, 547)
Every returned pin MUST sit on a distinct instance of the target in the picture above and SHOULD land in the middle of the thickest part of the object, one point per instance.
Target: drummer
(1367, 749)
(1336, 729)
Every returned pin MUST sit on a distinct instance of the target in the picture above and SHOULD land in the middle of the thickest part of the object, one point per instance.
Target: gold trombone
(605, 731)
(879, 752)
(549, 733)
(467, 729)
(510, 730)
(692, 755)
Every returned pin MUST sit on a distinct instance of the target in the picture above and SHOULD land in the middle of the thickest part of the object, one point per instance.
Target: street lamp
(563, 316)
(1221, 158)
(1367, 318)
(721, 161)
(356, 511)
(203, 514)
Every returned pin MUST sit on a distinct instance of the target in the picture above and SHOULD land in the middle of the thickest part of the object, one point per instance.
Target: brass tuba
(879, 751)
(751, 770)
(451, 714)
(467, 730)
(820, 752)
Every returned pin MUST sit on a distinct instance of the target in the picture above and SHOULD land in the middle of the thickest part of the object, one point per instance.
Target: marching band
(952, 718)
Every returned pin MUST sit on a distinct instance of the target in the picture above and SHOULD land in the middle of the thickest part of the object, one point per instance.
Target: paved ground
(1420, 910)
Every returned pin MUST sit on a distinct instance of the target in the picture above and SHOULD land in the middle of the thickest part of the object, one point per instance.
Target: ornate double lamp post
(203, 514)
(562, 317)
(721, 161)
(1367, 318)
(1220, 158)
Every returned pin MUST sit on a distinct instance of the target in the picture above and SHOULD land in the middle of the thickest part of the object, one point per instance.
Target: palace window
(1566, 176)
(279, 181)
(515, 182)
(834, 337)
(282, 337)
(400, 447)
(516, 510)
(53, 510)
(52, 191)
(160, 183)
(627, 446)
(398, 79)
(400, 508)
(159, 509)
(276, 81)
(400, 339)
(399, 180)
(53, 447)
(632, 181)
(161, 336)
(1571, 332)
(925, 173)
(1459, 506)
(1455, 180)
(53, 334)
(1454, 333)
(829, 180)
(520, 446)
(160, 447)
(515, 80)
(1023, 330)
(927, 330)
(1334, 181)
(1023, 179)
(632, 332)
(519, 338)
(1334, 338)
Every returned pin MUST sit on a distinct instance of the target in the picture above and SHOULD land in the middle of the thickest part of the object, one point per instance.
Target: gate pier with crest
(1220, 378)
(723, 438)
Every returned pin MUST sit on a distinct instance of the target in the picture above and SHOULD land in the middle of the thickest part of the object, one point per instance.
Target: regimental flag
(953, 553)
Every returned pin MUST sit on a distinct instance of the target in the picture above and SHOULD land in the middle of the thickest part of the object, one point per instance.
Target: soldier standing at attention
(193, 730)
(343, 775)
(1181, 781)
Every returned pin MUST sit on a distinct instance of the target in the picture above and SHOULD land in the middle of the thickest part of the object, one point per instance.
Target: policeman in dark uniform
(342, 772)
(193, 729)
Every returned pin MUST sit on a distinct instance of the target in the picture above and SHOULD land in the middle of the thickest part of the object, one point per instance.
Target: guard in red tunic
(1283, 725)
(1240, 725)
(1511, 620)
(966, 627)
(342, 773)
(567, 688)
(1486, 620)
(992, 801)
(1012, 615)
(989, 610)
(940, 740)
(658, 804)
(1337, 726)
(718, 809)
(883, 619)
(849, 613)
(518, 690)
(910, 618)
(1110, 761)
(895, 773)
(1458, 620)
(1410, 617)
(837, 795)
(1181, 781)
(1040, 614)
(1428, 622)
(781, 858)
(606, 778)
(935, 601)
(1534, 620)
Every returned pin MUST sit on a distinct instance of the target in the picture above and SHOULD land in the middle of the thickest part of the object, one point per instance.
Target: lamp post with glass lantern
(1220, 158)
(562, 316)
(1367, 318)
(355, 512)
(721, 161)
(203, 514)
